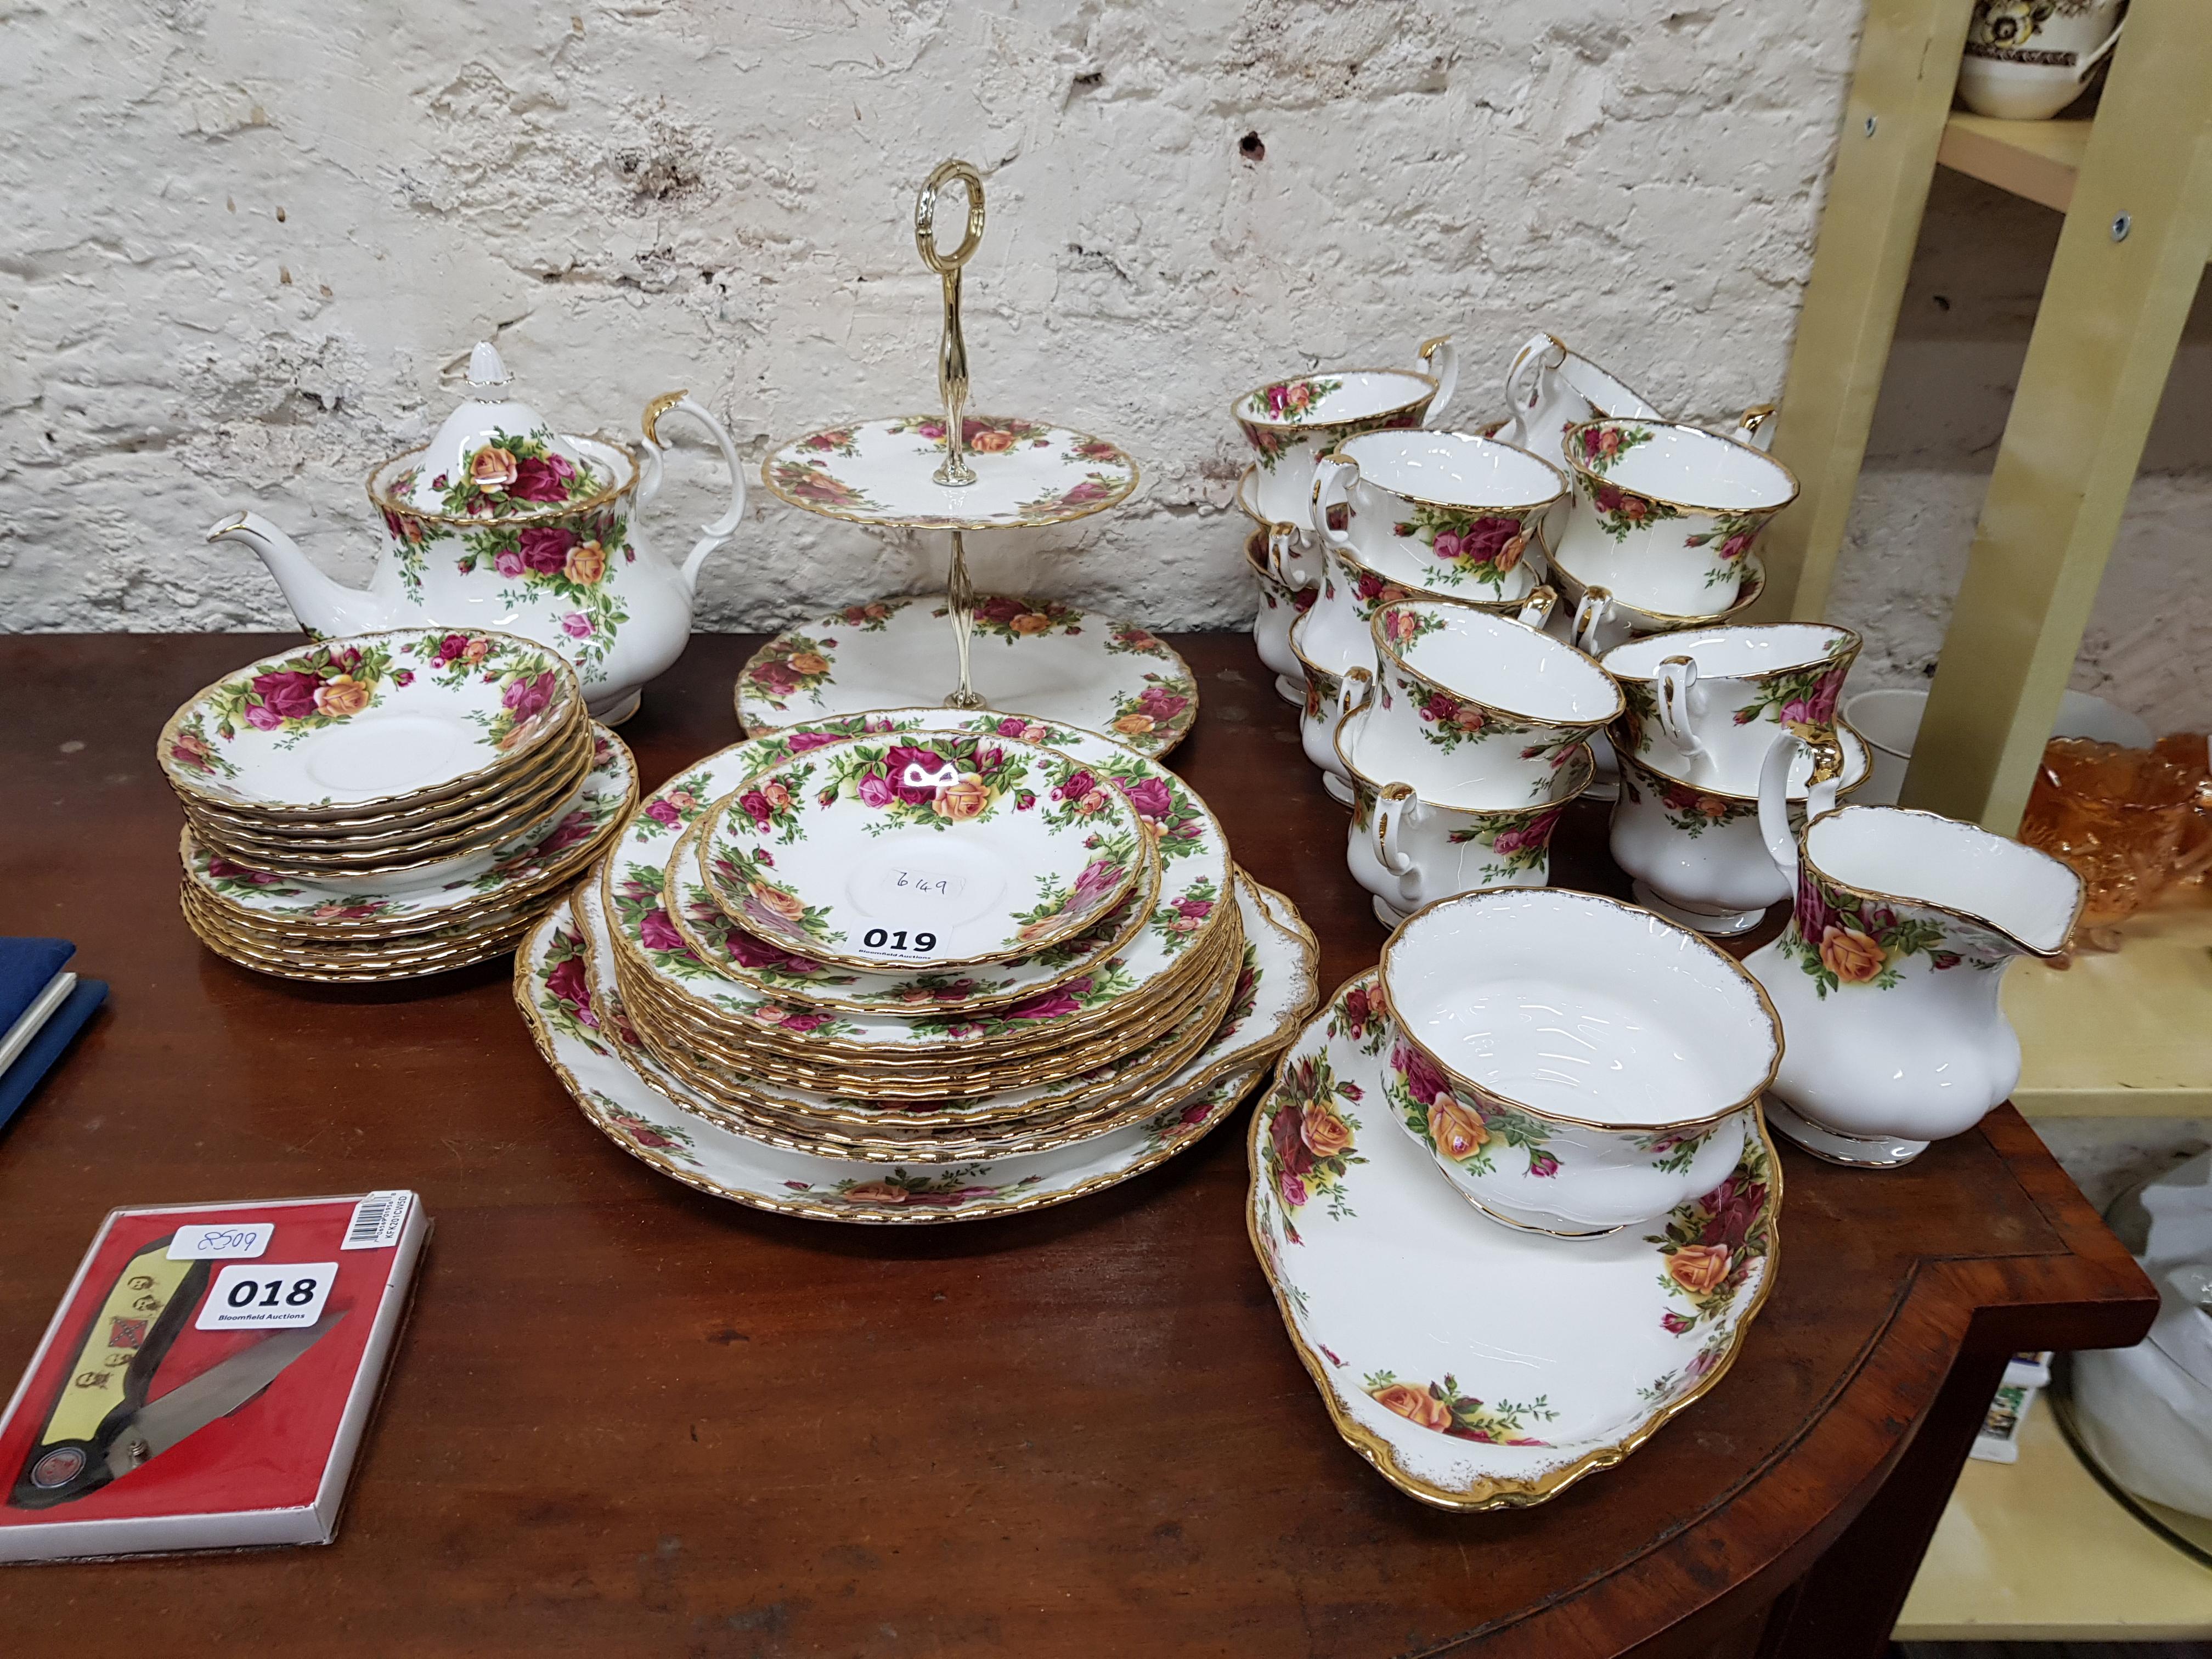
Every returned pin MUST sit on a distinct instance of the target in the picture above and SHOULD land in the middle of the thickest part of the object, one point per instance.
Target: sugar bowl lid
(496, 459)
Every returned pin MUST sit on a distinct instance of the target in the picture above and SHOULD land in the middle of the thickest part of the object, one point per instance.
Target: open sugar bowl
(1575, 1065)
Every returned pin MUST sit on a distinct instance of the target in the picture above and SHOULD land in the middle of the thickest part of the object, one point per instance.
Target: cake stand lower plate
(1034, 657)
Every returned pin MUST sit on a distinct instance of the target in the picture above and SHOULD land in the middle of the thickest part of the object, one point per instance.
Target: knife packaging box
(176, 1403)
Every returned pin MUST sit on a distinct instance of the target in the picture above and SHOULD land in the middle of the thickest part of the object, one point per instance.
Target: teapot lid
(495, 458)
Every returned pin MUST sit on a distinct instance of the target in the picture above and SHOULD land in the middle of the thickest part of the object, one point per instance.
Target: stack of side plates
(390, 805)
(918, 966)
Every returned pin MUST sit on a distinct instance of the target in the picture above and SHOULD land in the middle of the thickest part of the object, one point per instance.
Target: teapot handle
(1441, 358)
(1774, 795)
(713, 535)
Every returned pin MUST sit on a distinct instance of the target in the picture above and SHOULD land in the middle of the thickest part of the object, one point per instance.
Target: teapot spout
(323, 606)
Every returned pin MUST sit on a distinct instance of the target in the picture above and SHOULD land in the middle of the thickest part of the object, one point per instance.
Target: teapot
(502, 523)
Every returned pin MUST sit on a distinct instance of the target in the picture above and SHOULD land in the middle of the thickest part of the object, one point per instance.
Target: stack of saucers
(390, 805)
(926, 965)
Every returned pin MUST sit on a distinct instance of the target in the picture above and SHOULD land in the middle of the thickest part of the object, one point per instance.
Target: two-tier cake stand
(957, 473)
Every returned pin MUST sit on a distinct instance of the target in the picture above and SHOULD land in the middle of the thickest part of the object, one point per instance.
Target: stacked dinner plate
(921, 965)
(390, 805)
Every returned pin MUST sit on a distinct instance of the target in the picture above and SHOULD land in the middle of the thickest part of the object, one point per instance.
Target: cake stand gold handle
(952, 350)
(960, 600)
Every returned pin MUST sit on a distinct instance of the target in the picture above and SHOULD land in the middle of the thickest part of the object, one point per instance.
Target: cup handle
(1755, 428)
(1536, 609)
(1596, 605)
(1345, 706)
(2103, 52)
(713, 535)
(1330, 471)
(1395, 806)
(1676, 687)
(1283, 550)
(1441, 357)
(1774, 795)
(1524, 380)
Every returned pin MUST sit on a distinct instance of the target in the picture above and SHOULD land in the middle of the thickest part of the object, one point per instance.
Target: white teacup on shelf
(1697, 856)
(1705, 705)
(1415, 842)
(1444, 512)
(1665, 515)
(1505, 702)
(1574, 1064)
(2025, 60)
(1291, 420)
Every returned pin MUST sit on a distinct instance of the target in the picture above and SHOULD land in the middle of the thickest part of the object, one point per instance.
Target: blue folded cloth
(39, 1058)
(27, 966)
(29, 969)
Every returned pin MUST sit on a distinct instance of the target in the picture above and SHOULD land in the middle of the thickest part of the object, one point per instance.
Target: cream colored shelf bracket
(2137, 235)
(1908, 63)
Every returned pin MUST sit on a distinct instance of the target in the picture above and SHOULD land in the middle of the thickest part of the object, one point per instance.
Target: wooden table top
(629, 1417)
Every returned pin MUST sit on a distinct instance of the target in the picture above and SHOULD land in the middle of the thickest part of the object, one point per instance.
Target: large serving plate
(1030, 657)
(1193, 853)
(530, 865)
(890, 852)
(584, 1045)
(1027, 473)
(375, 720)
(1477, 1366)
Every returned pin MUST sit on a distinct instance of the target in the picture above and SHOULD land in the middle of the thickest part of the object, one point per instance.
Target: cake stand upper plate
(878, 473)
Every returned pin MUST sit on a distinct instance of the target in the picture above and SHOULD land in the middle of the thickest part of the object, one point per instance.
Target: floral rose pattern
(1441, 1407)
(1012, 618)
(1359, 1018)
(1097, 489)
(1467, 1131)
(746, 889)
(1310, 1139)
(566, 563)
(666, 1139)
(1803, 699)
(812, 483)
(1517, 842)
(1485, 548)
(1843, 937)
(518, 475)
(1686, 809)
(531, 698)
(1712, 1243)
(792, 665)
(1730, 540)
(954, 1188)
(946, 780)
(1168, 704)
(316, 689)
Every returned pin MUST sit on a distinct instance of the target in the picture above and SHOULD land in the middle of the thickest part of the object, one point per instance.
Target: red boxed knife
(207, 1380)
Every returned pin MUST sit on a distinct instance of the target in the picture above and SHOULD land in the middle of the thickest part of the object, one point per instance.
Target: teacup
(1665, 515)
(1696, 855)
(1280, 606)
(1705, 706)
(1443, 512)
(1291, 420)
(1550, 389)
(1333, 689)
(2025, 60)
(1575, 1065)
(1507, 703)
(1594, 620)
(1408, 848)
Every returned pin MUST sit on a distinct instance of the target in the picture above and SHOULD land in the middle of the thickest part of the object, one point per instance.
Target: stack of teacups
(1475, 738)
(389, 805)
(1702, 708)
(1290, 422)
(937, 943)
(1424, 514)
(1575, 1065)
